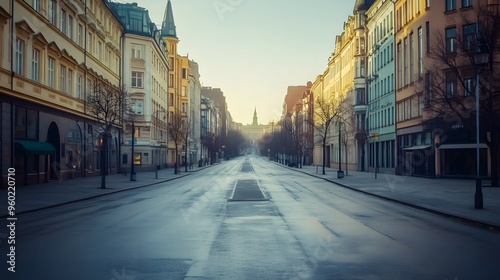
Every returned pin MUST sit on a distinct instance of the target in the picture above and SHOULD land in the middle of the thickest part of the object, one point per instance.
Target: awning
(462, 146)
(418, 147)
(34, 147)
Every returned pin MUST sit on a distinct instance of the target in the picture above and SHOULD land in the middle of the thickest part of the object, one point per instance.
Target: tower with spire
(255, 122)
(168, 24)
(178, 100)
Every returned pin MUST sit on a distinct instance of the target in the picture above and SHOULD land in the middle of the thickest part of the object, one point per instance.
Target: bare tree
(348, 129)
(292, 126)
(449, 105)
(110, 107)
(177, 128)
(185, 139)
(325, 111)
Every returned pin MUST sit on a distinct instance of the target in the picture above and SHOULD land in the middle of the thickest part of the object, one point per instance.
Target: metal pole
(478, 196)
(376, 158)
(132, 171)
(340, 149)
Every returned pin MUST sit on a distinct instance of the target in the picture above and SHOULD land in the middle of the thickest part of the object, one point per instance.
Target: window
(62, 81)
(37, 5)
(136, 51)
(137, 106)
(184, 73)
(466, 3)
(451, 85)
(19, 66)
(52, 12)
(90, 43)
(51, 72)
(35, 65)
(420, 53)
(405, 60)
(451, 5)
(428, 36)
(80, 35)
(79, 86)
(63, 26)
(20, 122)
(427, 4)
(70, 82)
(137, 78)
(469, 86)
(428, 88)
(184, 107)
(451, 40)
(412, 53)
(171, 80)
(70, 27)
(469, 34)
(32, 124)
(400, 65)
(137, 158)
(99, 50)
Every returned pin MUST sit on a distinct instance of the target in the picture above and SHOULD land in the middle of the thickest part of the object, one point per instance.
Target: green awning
(34, 147)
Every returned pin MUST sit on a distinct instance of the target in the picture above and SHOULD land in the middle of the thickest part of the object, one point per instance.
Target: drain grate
(247, 190)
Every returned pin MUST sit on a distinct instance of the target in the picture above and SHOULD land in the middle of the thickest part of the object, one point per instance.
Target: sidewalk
(36, 197)
(453, 198)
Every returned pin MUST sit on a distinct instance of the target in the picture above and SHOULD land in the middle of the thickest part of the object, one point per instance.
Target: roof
(168, 24)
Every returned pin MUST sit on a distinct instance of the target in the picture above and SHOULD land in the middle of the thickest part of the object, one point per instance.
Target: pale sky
(254, 49)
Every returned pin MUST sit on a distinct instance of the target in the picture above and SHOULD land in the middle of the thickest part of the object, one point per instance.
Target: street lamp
(132, 170)
(340, 173)
(481, 58)
(156, 136)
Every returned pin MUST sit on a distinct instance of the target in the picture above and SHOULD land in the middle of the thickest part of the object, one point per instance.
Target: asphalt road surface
(247, 218)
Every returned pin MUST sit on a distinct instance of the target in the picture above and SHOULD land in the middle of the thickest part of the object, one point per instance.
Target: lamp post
(481, 58)
(340, 173)
(132, 171)
(156, 136)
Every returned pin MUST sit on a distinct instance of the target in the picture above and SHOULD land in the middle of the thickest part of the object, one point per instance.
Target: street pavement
(246, 218)
(35, 197)
(449, 197)
(453, 198)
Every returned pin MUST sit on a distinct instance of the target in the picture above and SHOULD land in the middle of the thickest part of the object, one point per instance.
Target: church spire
(168, 25)
(255, 116)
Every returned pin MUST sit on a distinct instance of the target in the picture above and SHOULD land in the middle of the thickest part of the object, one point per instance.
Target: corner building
(51, 53)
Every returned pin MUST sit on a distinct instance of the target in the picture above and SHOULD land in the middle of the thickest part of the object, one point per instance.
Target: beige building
(343, 79)
(50, 60)
(144, 75)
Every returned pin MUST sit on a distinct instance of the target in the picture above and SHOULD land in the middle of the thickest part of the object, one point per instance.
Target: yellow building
(344, 80)
(178, 80)
(49, 62)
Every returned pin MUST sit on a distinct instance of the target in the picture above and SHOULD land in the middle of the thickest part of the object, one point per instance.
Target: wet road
(247, 218)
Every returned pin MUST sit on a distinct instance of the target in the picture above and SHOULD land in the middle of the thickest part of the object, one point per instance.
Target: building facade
(194, 113)
(145, 76)
(379, 103)
(52, 55)
(178, 100)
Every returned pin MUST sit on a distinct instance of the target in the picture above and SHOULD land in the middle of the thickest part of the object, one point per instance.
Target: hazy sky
(254, 49)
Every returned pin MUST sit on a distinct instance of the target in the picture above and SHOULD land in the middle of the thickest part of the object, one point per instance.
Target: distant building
(254, 131)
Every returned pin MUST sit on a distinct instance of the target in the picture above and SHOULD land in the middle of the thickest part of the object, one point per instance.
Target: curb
(454, 217)
(94, 196)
